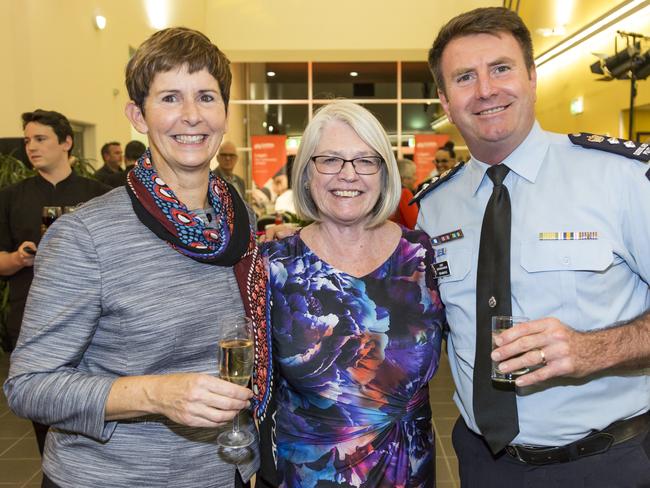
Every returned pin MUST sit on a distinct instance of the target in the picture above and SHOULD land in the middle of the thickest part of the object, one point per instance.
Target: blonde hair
(372, 133)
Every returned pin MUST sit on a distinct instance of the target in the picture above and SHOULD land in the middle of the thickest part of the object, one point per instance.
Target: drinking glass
(235, 357)
(501, 323)
(49, 215)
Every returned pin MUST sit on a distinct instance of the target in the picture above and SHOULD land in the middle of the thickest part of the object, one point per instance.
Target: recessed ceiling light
(100, 22)
(354, 74)
(270, 73)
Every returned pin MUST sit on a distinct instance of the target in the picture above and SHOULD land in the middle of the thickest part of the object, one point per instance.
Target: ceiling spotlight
(354, 74)
(100, 22)
(642, 69)
(270, 74)
(620, 63)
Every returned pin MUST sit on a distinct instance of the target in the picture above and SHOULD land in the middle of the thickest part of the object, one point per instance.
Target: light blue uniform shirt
(555, 186)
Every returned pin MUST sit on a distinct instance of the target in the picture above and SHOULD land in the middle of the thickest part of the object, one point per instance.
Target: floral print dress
(354, 357)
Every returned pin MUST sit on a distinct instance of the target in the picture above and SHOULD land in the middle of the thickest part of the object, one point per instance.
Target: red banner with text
(426, 146)
(269, 155)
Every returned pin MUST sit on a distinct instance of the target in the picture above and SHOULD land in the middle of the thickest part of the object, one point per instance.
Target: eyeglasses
(226, 155)
(332, 165)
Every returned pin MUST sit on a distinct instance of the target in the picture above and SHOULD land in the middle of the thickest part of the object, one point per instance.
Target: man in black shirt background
(132, 152)
(112, 156)
(48, 143)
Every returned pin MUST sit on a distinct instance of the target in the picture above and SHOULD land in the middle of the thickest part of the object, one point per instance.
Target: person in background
(133, 292)
(406, 215)
(357, 321)
(284, 202)
(48, 143)
(445, 159)
(227, 158)
(112, 156)
(565, 221)
(132, 152)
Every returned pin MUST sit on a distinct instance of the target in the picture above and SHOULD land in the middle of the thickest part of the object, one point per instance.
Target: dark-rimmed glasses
(333, 165)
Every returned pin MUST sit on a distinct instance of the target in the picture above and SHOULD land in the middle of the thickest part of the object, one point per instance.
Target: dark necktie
(495, 410)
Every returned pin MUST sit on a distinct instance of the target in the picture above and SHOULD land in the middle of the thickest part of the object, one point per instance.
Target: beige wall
(59, 61)
(569, 76)
(339, 30)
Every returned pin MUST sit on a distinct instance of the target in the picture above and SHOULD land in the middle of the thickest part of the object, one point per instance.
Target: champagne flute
(235, 354)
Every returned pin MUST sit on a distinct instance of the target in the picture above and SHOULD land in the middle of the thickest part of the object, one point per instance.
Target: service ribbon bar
(568, 236)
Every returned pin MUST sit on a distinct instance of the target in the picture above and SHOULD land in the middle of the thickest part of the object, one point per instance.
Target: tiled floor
(20, 461)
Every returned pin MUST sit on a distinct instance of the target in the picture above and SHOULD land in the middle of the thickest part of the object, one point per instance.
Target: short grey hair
(406, 168)
(368, 128)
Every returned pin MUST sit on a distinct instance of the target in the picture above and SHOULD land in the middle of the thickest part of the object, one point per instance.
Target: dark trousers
(40, 431)
(48, 483)
(625, 465)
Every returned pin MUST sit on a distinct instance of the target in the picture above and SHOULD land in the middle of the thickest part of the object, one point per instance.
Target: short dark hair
(134, 150)
(59, 123)
(488, 20)
(105, 147)
(449, 147)
(172, 48)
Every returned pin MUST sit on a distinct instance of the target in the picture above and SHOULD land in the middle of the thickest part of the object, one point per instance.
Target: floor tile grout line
(31, 478)
(445, 455)
(14, 444)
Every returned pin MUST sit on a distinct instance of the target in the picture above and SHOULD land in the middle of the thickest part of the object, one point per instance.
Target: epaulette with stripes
(622, 147)
(436, 182)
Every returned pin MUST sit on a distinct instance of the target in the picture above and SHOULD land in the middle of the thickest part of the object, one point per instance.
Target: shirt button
(566, 260)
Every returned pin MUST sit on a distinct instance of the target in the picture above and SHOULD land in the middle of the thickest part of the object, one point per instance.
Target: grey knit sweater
(110, 299)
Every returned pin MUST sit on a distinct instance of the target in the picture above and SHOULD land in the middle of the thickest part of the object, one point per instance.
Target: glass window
(417, 81)
(418, 117)
(277, 81)
(355, 80)
(277, 119)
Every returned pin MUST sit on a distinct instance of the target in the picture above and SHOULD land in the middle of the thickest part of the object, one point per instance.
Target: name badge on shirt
(449, 236)
(568, 236)
(441, 269)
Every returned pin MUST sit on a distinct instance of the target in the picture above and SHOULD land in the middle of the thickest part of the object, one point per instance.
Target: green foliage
(13, 170)
(83, 167)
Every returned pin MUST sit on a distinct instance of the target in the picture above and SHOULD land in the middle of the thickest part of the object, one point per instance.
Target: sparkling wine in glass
(235, 355)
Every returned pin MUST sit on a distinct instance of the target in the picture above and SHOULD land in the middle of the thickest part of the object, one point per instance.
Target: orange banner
(426, 146)
(269, 155)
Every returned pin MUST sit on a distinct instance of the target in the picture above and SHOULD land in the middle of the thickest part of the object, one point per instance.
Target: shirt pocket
(563, 274)
(586, 255)
(459, 259)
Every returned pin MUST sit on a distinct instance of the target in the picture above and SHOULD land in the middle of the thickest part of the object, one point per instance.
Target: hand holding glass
(499, 324)
(235, 355)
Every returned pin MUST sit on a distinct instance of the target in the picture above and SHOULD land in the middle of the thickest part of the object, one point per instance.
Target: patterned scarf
(231, 243)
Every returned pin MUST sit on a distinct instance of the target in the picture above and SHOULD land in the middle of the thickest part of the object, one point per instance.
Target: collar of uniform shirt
(525, 160)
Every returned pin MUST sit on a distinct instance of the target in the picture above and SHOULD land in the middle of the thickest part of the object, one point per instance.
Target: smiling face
(490, 95)
(346, 198)
(184, 118)
(43, 148)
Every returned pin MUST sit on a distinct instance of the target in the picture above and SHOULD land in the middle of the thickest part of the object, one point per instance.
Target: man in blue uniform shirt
(579, 269)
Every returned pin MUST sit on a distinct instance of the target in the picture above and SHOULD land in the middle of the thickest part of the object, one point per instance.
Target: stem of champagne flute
(235, 423)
